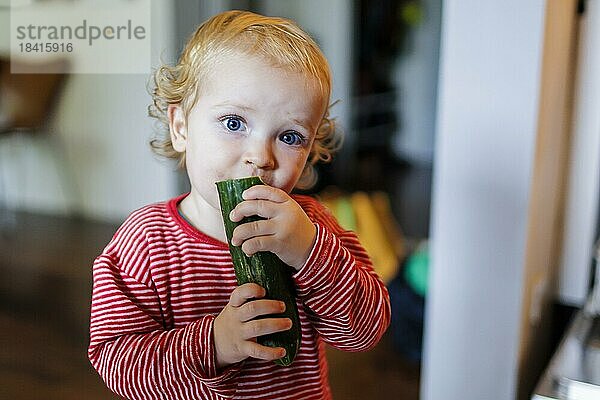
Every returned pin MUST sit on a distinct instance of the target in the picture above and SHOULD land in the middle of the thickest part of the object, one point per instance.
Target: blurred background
(470, 172)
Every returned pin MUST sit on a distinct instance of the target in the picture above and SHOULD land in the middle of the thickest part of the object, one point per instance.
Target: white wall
(486, 129)
(416, 82)
(584, 176)
(102, 123)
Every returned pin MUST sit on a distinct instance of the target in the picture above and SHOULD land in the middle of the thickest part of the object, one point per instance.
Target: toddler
(248, 97)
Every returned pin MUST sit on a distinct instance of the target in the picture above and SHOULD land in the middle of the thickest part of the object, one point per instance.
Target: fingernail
(282, 306)
(232, 216)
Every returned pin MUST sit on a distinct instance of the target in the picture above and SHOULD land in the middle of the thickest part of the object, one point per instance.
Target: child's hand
(235, 329)
(287, 231)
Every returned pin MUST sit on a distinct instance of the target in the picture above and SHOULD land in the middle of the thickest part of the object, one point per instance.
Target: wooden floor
(45, 286)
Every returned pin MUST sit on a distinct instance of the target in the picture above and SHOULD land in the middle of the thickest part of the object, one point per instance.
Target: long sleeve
(159, 284)
(346, 302)
(137, 356)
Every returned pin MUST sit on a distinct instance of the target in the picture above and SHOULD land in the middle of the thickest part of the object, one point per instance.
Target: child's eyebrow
(302, 124)
(234, 105)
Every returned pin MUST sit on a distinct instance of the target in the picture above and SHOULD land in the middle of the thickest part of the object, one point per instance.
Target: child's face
(250, 119)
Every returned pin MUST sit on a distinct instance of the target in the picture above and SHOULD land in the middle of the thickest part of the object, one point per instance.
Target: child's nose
(260, 155)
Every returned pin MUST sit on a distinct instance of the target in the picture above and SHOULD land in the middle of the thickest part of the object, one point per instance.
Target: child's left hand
(287, 231)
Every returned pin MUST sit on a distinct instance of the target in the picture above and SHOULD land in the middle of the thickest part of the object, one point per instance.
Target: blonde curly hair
(279, 40)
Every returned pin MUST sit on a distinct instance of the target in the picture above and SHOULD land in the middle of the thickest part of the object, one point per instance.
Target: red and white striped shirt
(160, 283)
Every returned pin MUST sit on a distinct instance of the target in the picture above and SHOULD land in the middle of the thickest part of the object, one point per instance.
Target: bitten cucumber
(262, 268)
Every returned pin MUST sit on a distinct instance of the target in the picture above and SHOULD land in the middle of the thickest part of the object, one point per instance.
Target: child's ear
(177, 127)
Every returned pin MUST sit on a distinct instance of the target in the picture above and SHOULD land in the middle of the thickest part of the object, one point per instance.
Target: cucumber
(263, 268)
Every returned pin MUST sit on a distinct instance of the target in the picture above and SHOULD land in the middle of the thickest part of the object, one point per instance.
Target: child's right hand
(236, 329)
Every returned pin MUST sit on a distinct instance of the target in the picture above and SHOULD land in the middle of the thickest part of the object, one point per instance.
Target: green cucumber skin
(263, 268)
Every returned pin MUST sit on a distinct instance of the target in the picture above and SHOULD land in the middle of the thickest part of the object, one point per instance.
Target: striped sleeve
(347, 302)
(136, 355)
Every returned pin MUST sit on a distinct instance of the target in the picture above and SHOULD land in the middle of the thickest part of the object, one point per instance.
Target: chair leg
(11, 154)
(8, 214)
(13, 175)
(68, 181)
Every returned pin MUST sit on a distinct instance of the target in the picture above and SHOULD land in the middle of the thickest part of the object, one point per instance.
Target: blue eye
(291, 138)
(233, 123)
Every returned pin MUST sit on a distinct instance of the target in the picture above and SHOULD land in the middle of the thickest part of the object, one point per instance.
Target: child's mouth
(267, 180)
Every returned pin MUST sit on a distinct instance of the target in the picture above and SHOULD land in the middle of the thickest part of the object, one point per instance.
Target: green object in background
(416, 271)
(412, 13)
(345, 214)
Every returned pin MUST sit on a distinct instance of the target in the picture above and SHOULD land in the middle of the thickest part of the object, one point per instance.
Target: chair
(27, 101)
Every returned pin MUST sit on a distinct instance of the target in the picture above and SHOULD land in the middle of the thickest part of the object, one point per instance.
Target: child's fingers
(245, 292)
(265, 192)
(252, 229)
(261, 243)
(246, 208)
(253, 309)
(264, 326)
(255, 350)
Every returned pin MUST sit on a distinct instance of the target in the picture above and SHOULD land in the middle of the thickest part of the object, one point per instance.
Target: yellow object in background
(370, 217)
(374, 238)
(381, 202)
